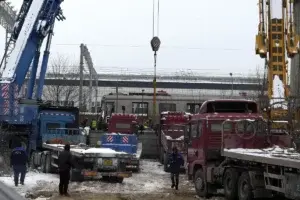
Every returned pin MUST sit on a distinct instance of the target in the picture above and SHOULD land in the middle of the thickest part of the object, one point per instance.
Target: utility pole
(231, 84)
(143, 106)
(117, 93)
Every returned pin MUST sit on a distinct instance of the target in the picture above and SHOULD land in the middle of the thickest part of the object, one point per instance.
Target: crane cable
(155, 44)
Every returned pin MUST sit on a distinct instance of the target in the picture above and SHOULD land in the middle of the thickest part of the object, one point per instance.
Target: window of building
(140, 108)
(167, 107)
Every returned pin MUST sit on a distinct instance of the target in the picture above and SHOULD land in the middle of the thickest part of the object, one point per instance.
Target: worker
(18, 161)
(175, 162)
(64, 164)
(93, 124)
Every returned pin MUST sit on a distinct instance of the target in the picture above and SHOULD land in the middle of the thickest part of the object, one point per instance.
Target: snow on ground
(151, 179)
(32, 180)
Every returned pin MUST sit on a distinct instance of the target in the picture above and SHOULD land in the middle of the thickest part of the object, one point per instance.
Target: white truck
(89, 163)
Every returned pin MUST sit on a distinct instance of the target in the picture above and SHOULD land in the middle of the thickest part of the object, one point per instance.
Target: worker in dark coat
(64, 165)
(175, 162)
(18, 161)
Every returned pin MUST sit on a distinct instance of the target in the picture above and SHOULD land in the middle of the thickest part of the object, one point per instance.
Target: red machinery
(171, 133)
(231, 147)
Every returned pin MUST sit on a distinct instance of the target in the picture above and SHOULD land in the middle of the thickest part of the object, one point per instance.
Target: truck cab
(171, 133)
(58, 125)
(123, 123)
(122, 136)
(204, 135)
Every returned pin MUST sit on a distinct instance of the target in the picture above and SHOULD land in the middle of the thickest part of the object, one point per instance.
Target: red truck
(231, 147)
(123, 136)
(171, 133)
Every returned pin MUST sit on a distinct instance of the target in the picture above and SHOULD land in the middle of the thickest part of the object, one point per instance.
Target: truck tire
(76, 176)
(43, 163)
(201, 186)
(230, 180)
(32, 161)
(244, 187)
(161, 155)
(166, 160)
(48, 164)
(119, 179)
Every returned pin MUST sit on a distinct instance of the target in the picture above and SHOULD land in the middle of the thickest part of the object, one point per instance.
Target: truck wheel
(245, 187)
(161, 155)
(230, 180)
(32, 163)
(43, 163)
(120, 179)
(200, 184)
(48, 166)
(166, 160)
(76, 176)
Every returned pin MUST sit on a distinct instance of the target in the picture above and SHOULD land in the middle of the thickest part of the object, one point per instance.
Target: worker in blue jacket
(175, 162)
(18, 161)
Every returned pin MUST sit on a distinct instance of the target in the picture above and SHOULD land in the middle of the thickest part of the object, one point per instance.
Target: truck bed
(83, 151)
(272, 156)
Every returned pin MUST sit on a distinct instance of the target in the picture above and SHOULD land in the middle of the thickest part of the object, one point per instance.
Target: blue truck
(122, 136)
(40, 127)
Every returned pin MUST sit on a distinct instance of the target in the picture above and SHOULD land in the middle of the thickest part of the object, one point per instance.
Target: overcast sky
(206, 37)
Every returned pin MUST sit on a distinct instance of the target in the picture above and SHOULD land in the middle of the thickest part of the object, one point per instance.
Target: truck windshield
(216, 127)
(232, 107)
(122, 126)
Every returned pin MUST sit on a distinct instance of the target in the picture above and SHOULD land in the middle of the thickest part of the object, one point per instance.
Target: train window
(140, 108)
(193, 107)
(167, 107)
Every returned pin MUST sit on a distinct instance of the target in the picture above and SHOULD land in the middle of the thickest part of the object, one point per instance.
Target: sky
(202, 37)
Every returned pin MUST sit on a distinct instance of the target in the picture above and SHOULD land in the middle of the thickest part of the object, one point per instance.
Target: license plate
(107, 162)
(91, 173)
(123, 175)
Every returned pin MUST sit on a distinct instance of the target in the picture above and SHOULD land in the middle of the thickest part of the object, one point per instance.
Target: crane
(34, 23)
(22, 119)
(277, 41)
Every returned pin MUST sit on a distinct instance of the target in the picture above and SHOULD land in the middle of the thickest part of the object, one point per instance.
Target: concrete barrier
(148, 139)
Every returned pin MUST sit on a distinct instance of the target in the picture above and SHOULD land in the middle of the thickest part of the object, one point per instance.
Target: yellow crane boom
(277, 41)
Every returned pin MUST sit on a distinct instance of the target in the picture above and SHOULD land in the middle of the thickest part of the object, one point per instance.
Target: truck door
(193, 145)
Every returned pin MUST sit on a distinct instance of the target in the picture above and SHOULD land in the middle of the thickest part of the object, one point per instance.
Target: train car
(141, 104)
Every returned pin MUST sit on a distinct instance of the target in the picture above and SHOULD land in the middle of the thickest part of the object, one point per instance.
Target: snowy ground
(152, 179)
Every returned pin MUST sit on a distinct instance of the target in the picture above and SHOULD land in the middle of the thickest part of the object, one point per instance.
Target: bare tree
(61, 68)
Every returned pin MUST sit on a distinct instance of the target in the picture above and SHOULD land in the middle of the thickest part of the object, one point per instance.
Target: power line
(163, 46)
